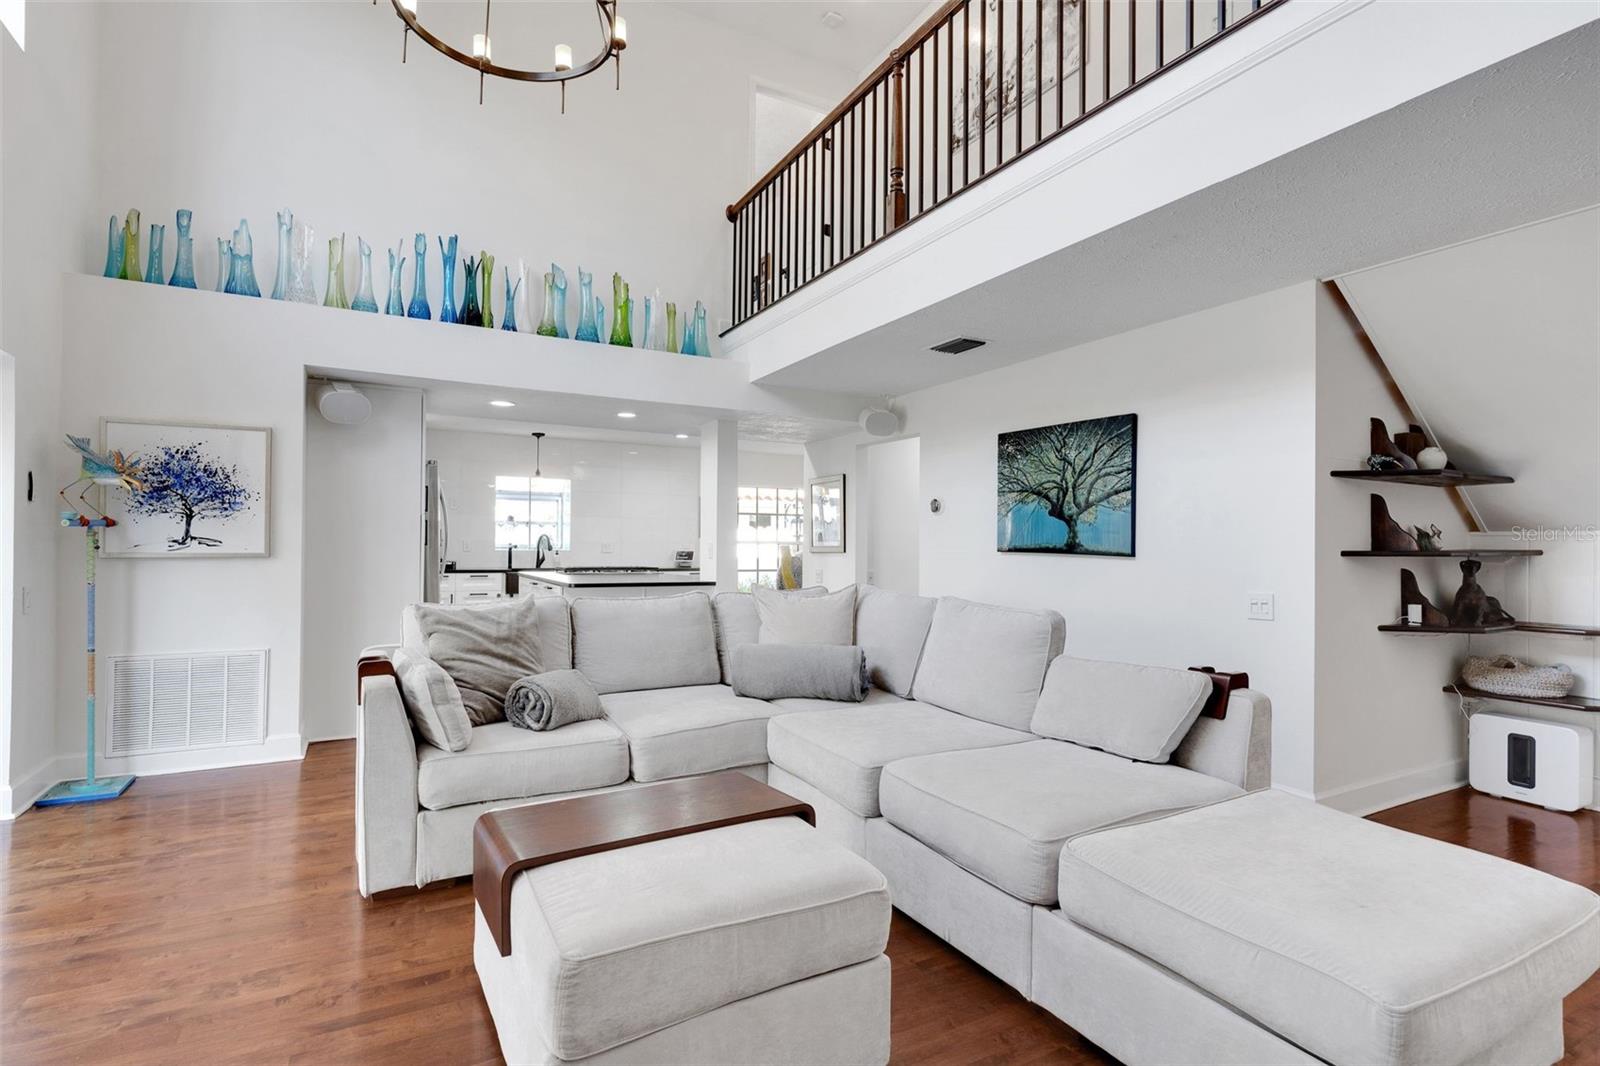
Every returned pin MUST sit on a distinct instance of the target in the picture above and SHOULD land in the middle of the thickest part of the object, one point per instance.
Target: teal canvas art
(1068, 489)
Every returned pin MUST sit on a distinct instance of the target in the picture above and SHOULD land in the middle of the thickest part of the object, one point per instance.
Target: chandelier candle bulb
(482, 47)
(619, 33)
(563, 57)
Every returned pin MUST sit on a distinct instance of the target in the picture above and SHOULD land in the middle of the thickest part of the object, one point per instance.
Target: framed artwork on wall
(827, 514)
(203, 495)
(1068, 489)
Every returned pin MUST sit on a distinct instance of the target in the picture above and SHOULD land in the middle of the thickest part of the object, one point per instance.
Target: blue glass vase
(113, 249)
(419, 289)
(702, 338)
(587, 330)
(471, 313)
(183, 265)
(155, 266)
(397, 262)
(242, 272)
(280, 280)
(512, 293)
(600, 315)
(364, 300)
(447, 309)
(335, 296)
(224, 262)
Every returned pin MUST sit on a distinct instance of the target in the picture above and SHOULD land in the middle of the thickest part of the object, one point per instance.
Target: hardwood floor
(213, 917)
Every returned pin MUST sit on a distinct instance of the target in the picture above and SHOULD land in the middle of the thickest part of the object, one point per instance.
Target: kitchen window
(770, 520)
(525, 507)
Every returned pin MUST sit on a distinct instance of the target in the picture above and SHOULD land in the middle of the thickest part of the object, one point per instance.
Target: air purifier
(1548, 763)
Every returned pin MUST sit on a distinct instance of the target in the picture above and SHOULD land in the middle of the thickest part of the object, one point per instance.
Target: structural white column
(719, 503)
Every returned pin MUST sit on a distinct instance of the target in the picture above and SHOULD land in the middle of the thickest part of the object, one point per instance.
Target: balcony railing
(977, 87)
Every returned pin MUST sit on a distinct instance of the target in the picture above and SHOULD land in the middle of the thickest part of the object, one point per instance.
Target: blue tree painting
(1068, 488)
(186, 484)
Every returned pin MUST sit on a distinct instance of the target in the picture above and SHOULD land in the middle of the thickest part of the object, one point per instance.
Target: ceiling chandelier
(613, 37)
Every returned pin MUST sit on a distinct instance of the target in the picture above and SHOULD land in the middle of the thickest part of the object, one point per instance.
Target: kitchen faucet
(540, 546)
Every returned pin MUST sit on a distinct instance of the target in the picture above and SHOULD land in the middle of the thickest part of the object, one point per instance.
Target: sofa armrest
(1237, 748)
(386, 785)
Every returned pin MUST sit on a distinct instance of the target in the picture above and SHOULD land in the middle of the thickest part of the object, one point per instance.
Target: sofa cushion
(892, 627)
(800, 671)
(484, 648)
(828, 618)
(555, 631)
(504, 762)
(1358, 942)
(624, 943)
(1139, 712)
(673, 732)
(840, 752)
(1003, 813)
(987, 662)
(738, 623)
(433, 702)
(876, 697)
(642, 642)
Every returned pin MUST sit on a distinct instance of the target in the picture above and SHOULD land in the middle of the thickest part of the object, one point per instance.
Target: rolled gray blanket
(551, 700)
(801, 671)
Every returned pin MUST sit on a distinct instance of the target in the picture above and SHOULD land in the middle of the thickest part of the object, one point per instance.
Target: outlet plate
(1261, 606)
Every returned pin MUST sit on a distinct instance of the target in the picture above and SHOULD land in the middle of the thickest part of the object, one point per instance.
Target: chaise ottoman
(755, 943)
(1269, 928)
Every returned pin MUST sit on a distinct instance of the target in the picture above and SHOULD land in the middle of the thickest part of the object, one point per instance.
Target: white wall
(46, 186)
(892, 474)
(363, 547)
(778, 469)
(242, 109)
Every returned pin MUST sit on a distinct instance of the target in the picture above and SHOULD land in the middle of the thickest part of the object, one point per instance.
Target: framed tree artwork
(827, 514)
(1068, 489)
(202, 490)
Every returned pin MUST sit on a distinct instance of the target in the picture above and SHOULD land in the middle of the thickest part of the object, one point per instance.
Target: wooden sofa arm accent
(1223, 685)
(372, 666)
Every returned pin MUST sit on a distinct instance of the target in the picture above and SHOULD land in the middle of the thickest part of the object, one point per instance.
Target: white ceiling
(870, 28)
(1509, 145)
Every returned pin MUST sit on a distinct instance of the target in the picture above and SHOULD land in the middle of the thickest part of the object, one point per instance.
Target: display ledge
(1447, 553)
(1565, 703)
(1548, 628)
(1437, 478)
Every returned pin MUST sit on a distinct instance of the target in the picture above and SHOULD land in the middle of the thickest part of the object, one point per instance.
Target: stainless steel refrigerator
(435, 532)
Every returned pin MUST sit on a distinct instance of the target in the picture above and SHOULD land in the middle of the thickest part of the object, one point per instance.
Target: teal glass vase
(547, 321)
(334, 295)
(447, 307)
(280, 280)
(364, 300)
(621, 313)
(702, 337)
(242, 272)
(486, 284)
(183, 264)
(397, 262)
(587, 330)
(224, 262)
(130, 247)
(471, 314)
(114, 251)
(599, 316)
(418, 308)
(155, 266)
(513, 294)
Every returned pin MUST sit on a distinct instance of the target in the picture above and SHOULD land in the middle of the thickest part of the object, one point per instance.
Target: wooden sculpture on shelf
(1387, 534)
(1411, 595)
(1473, 606)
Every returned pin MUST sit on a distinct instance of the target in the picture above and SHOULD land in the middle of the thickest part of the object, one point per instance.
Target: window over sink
(770, 521)
(525, 507)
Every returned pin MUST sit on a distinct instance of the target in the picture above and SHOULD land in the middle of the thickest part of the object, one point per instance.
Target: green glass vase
(335, 295)
(621, 313)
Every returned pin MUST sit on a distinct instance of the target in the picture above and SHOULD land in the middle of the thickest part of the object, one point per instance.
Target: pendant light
(538, 447)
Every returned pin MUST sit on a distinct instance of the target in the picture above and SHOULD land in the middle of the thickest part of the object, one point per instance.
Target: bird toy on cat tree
(111, 470)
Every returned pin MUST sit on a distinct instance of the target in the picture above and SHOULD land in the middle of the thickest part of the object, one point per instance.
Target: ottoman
(755, 943)
(1268, 927)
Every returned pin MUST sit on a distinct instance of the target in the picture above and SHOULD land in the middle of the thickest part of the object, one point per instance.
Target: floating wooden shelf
(1566, 703)
(1452, 553)
(1435, 631)
(1557, 629)
(1437, 478)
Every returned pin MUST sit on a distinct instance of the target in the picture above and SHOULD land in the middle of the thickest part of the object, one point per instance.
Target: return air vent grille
(182, 702)
(958, 345)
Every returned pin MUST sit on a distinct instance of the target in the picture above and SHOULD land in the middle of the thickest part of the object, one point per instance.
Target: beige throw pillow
(432, 700)
(787, 619)
(484, 648)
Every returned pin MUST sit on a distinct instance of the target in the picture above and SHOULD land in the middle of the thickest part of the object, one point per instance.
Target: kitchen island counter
(653, 582)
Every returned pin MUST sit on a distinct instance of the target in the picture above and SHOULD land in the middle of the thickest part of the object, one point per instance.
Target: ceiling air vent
(958, 345)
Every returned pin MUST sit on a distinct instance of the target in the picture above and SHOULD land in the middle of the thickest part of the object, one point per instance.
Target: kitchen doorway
(893, 472)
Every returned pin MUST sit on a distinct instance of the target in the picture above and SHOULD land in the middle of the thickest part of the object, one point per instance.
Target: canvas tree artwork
(204, 491)
(1068, 488)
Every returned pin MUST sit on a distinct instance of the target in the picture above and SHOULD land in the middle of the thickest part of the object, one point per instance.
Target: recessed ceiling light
(501, 403)
(681, 436)
(626, 414)
(633, 453)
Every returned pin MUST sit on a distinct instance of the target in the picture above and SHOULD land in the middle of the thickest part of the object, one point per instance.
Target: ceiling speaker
(342, 404)
(880, 422)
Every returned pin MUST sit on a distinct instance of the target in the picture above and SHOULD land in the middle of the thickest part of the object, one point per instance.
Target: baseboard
(281, 747)
(1366, 797)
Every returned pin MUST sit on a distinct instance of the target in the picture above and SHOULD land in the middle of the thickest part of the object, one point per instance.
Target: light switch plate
(607, 548)
(1261, 606)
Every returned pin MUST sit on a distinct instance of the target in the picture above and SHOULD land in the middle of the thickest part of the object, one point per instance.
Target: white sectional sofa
(978, 761)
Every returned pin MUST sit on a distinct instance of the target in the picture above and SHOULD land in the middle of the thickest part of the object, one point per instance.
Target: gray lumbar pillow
(1138, 712)
(552, 700)
(800, 671)
(826, 619)
(432, 700)
(484, 647)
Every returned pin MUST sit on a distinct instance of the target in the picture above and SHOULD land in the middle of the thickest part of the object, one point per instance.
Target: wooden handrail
(855, 96)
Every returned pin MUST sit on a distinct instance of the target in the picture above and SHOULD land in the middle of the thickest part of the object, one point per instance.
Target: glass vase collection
(293, 281)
